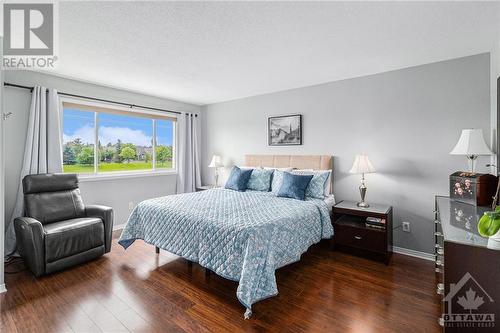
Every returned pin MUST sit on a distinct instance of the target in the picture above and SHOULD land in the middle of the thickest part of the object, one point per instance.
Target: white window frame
(96, 175)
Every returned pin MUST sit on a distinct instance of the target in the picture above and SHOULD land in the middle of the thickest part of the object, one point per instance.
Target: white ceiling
(207, 52)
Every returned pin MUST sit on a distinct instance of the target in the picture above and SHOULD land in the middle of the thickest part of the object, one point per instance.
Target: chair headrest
(49, 182)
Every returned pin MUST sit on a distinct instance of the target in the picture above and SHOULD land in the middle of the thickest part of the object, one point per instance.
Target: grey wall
(407, 121)
(116, 193)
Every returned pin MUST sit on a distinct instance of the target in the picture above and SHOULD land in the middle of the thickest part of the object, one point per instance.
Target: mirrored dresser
(467, 266)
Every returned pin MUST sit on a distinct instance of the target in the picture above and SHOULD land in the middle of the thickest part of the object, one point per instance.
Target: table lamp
(471, 144)
(216, 163)
(361, 166)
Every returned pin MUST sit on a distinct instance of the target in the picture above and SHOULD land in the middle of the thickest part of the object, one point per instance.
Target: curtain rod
(6, 84)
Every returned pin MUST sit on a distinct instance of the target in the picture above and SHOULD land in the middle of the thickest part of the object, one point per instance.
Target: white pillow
(280, 169)
(248, 167)
(330, 202)
(328, 186)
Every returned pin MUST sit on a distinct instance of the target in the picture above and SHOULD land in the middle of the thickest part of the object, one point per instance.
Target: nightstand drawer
(373, 240)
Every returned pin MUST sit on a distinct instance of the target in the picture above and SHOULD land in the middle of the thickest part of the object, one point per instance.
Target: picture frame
(284, 130)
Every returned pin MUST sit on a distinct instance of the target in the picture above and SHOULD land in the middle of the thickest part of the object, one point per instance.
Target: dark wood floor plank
(139, 291)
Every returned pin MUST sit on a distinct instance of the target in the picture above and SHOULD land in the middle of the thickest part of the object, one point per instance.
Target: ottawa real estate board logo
(468, 305)
(29, 35)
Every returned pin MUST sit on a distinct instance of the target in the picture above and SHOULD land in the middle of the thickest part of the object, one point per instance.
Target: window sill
(121, 175)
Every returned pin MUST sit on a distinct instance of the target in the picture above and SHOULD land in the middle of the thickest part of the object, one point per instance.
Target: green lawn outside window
(110, 167)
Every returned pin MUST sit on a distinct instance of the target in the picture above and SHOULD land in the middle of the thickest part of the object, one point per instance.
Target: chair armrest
(106, 214)
(30, 243)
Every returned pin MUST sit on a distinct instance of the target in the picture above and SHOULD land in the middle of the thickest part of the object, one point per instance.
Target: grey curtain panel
(189, 176)
(42, 151)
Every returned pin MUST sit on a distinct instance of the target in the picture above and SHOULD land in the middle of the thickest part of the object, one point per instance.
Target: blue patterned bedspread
(241, 236)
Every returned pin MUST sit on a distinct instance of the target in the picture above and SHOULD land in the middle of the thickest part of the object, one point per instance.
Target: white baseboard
(413, 253)
(118, 227)
(3, 289)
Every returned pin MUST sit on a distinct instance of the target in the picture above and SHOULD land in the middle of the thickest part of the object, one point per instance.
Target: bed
(241, 236)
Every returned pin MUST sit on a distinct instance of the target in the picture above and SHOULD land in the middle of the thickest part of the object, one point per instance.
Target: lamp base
(472, 159)
(362, 192)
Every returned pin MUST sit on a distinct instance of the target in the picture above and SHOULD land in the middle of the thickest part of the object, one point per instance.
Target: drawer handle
(438, 234)
(440, 289)
(437, 222)
(440, 251)
(358, 237)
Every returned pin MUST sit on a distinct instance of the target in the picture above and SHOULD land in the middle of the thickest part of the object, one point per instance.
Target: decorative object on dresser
(489, 224)
(473, 188)
(285, 130)
(366, 230)
(467, 268)
(471, 144)
(216, 163)
(361, 166)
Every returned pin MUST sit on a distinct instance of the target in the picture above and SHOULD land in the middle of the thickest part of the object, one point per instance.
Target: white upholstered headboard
(317, 162)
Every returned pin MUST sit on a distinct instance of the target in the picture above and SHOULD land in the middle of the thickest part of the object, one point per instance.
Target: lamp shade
(362, 165)
(216, 162)
(471, 142)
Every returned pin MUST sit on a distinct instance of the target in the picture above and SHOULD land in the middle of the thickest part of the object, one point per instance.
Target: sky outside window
(78, 141)
(78, 124)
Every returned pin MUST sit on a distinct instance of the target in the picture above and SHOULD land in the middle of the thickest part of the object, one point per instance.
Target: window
(78, 141)
(100, 139)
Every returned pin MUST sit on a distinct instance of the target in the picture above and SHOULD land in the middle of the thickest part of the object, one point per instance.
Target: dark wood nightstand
(351, 233)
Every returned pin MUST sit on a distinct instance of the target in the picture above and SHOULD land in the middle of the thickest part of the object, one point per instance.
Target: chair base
(76, 259)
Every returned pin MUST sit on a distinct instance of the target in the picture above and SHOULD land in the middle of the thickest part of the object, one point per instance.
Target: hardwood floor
(139, 291)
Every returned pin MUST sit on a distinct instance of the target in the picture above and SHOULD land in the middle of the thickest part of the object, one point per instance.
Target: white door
(2, 179)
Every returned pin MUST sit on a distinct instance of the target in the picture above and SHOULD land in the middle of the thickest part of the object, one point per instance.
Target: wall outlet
(406, 226)
(131, 205)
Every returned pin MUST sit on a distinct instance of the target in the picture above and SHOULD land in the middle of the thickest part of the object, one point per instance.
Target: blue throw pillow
(238, 179)
(318, 184)
(294, 186)
(260, 180)
(277, 181)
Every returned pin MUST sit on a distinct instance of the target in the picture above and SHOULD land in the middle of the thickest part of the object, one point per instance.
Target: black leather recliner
(58, 230)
